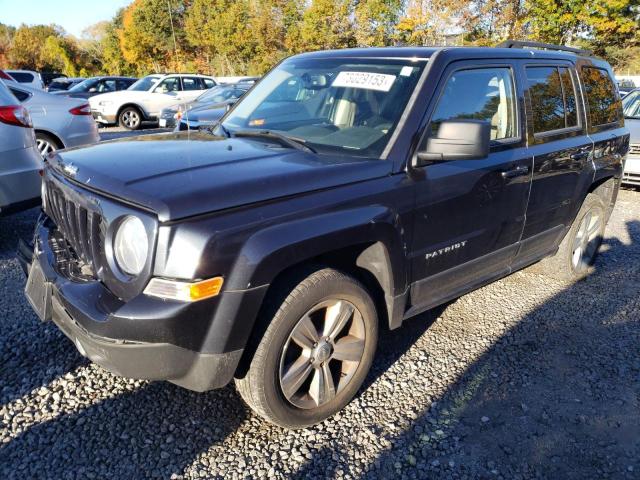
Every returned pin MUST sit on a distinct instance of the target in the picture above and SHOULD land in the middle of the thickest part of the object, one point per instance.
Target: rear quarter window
(20, 94)
(605, 109)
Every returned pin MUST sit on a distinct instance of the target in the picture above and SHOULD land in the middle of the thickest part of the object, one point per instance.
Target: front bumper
(631, 175)
(91, 317)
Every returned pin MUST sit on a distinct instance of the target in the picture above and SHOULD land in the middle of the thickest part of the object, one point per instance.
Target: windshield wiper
(286, 140)
(218, 126)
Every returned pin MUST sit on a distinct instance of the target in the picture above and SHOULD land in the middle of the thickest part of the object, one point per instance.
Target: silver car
(20, 162)
(59, 122)
(631, 105)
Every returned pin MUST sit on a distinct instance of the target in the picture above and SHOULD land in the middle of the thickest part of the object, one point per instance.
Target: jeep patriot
(346, 192)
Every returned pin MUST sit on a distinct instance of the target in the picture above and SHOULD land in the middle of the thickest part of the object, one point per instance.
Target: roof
(457, 52)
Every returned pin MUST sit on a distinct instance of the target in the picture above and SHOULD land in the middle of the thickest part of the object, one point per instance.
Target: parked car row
(145, 99)
(205, 109)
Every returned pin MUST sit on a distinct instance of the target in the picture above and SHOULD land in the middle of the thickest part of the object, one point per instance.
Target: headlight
(131, 246)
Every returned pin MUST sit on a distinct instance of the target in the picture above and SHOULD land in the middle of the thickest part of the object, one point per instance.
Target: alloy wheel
(586, 241)
(131, 119)
(322, 353)
(44, 147)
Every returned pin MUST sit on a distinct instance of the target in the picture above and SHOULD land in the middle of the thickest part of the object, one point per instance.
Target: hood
(634, 129)
(206, 113)
(183, 174)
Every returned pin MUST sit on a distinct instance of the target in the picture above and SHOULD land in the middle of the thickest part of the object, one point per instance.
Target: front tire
(579, 249)
(130, 118)
(315, 353)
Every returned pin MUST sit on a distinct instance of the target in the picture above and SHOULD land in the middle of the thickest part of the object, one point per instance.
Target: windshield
(84, 86)
(631, 104)
(144, 83)
(340, 105)
(219, 94)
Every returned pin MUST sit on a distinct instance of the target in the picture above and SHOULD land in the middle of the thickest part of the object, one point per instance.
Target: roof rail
(543, 46)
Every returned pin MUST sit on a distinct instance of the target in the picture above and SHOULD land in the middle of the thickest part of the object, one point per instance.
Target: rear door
(561, 151)
(470, 213)
(605, 120)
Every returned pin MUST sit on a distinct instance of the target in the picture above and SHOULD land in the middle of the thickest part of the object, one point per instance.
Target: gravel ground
(525, 378)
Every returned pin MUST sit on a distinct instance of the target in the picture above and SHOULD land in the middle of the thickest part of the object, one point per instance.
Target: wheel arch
(373, 256)
(53, 135)
(134, 105)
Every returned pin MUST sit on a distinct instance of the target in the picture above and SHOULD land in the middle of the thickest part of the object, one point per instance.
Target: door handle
(516, 172)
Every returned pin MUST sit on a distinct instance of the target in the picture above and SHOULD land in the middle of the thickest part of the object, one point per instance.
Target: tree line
(247, 37)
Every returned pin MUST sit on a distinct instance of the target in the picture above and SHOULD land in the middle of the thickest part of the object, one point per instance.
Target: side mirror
(457, 140)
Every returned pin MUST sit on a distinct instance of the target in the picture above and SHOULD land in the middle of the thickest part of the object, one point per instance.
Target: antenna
(173, 32)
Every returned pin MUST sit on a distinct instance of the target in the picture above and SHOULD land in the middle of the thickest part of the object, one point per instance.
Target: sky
(73, 15)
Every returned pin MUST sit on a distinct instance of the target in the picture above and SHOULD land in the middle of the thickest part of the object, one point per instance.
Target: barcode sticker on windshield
(370, 81)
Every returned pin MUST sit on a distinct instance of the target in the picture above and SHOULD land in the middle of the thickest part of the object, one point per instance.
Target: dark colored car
(345, 193)
(63, 84)
(96, 85)
(48, 77)
(210, 107)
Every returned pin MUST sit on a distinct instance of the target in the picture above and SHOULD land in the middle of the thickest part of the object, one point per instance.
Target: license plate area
(38, 291)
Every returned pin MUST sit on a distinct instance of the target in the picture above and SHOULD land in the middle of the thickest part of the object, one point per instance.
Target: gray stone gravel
(525, 378)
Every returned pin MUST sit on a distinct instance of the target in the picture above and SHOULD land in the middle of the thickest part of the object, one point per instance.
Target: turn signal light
(184, 291)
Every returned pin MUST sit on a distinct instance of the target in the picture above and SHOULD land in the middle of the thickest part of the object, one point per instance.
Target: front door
(470, 213)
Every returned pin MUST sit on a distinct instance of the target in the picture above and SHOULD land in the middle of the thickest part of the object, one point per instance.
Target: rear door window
(191, 83)
(480, 94)
(605, 110)
(552, 109)
(208, 83)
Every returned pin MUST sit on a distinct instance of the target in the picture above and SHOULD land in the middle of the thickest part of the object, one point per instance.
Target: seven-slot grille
(81, 228)
(634, 149)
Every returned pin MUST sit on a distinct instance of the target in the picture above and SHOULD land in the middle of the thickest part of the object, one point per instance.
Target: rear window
(553, 98)
(6, 97)
(604, 107)
(22, 77)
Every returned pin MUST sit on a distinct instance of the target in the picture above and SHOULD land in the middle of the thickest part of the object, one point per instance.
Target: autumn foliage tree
(236, 37)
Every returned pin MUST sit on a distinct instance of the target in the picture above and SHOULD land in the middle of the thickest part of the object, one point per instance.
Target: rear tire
(579, 249)
(130, 118)
(315, 353)
(46, 144)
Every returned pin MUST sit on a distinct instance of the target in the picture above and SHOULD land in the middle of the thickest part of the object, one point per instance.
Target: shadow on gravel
(166, 426)
(557, 396)
(14, 227)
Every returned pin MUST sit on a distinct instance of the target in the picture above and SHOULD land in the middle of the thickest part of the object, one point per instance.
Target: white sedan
(144, 100)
